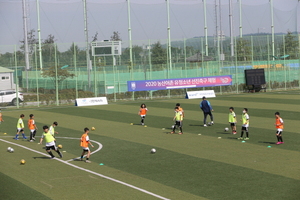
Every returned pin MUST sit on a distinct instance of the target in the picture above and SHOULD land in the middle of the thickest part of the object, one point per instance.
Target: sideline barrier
(200, 94)
(91, 101)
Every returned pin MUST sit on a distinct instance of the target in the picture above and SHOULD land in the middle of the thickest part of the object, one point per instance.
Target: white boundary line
(89, 171)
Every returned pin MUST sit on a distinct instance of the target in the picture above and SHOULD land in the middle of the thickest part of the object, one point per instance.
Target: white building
(6, 79)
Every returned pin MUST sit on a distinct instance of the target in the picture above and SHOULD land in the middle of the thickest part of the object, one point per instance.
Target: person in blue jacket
(207, 110)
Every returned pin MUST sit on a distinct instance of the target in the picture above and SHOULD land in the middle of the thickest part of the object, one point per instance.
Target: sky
(64, 19)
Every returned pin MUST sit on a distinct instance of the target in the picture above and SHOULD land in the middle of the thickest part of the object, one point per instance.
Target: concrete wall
(7, 81)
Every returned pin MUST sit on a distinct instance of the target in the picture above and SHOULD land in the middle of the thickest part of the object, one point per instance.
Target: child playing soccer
(84, 143)
(279, 126)
(142, 112)
(50, 142)
(32, 127)
(180, 109)
(20, 127)
(232, 120)
(178, 120)
(52, 129)
(245, 126)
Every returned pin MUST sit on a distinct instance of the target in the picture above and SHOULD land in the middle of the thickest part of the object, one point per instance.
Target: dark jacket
(205, 106)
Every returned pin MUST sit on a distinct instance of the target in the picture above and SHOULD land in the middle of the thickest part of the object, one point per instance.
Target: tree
(62, 74)
(290, 45)
(116, 36)
(137, 53)
(48, 47)
(32, 41)
(243, 50)
(159, 54)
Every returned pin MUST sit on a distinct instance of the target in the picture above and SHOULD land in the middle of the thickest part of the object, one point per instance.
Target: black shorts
(232, 123)
(245, 128)
(178, 123)
(51, 147)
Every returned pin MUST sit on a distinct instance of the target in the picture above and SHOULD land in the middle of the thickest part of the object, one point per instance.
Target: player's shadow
(232, 138)
(195, 125)
(44, 157)
(227, 133)
(266, 142)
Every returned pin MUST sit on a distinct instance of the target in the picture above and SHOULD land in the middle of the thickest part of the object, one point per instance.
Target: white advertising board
(200, 94)
(91, 101)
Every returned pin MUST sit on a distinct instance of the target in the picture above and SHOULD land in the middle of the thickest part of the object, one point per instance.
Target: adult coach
(207, 110)
(84, 143)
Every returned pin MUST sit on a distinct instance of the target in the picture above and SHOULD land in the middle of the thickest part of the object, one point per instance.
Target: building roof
(3, 70)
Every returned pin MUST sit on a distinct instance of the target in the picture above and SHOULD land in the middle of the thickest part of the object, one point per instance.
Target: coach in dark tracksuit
(207, 109)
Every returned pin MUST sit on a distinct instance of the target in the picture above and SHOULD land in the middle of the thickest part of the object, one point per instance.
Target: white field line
(89, 171)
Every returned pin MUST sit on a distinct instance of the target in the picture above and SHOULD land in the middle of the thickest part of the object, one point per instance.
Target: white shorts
(85, 148)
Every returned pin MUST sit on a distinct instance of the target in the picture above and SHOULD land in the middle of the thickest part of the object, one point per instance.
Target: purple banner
(180, 83)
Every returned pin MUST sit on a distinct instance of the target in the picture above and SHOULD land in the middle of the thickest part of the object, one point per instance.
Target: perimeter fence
(64, 75)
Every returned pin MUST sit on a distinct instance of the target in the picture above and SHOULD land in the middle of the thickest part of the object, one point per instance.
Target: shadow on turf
(195, 125)
(227, 133)
(266, 142)
(41, 157)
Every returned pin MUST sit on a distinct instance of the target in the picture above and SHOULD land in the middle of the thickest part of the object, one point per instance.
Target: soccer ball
(22, 162)
(153, 150)
(93, 128)
(209, 124)
(8, 149)
(11, 150)
(59, 146)
(226, 129)
(172, 126)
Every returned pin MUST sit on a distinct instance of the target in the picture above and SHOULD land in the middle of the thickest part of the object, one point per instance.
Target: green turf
(188, 166)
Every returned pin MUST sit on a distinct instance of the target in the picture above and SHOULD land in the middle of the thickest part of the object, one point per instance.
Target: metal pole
(36, 77)
(272, 27)
(39, 34)
(284, 68)
(130, 43)
(169, 35)
(221, 41)
(76, 76)
(205, 27)
(95, 78)
(56, 77)
(241, 27)
(25, 41)
(87, 43)
(129, 34)
(17, 80)
(269, 65)
(231, 29)
(150, 64)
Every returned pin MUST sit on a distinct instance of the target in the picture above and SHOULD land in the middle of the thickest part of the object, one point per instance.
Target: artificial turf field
(188, 166)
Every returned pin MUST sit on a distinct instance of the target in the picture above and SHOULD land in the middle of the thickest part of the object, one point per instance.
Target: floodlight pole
(231, 29)
(205, 27)
(272, 28)
(241, 27)
(169, 35)
(25, 41)
(129, 35)
(39, 34)
(87, 43)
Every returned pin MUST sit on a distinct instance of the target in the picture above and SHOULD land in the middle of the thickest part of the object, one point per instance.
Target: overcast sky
(65, 20)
